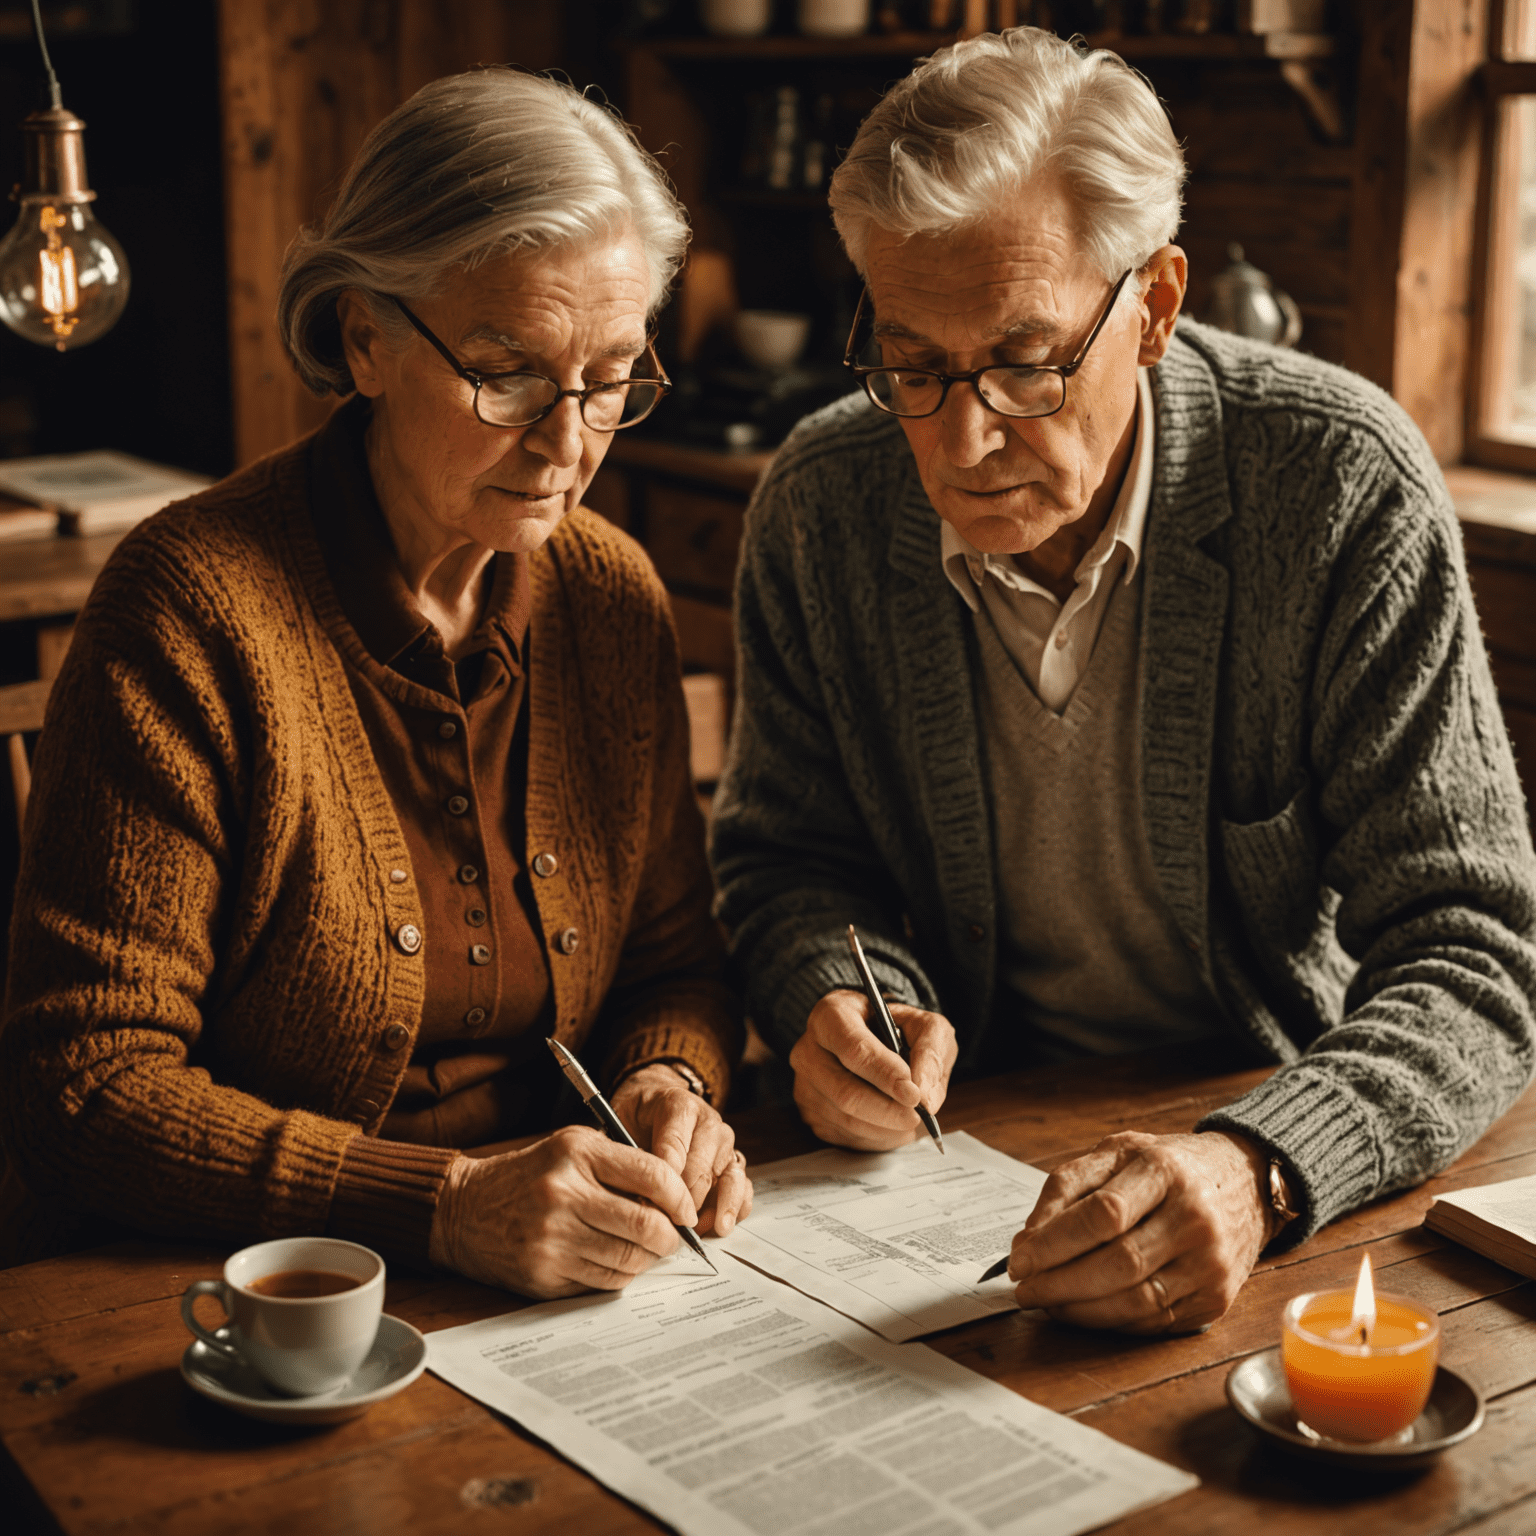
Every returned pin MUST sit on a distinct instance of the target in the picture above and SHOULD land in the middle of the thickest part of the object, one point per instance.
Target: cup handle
(189, 1300)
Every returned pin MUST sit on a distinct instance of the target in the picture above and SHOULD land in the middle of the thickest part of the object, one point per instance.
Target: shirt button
(480, 954)
(468, 874)
(1061, 640)
(365, 1111)
(545, 864)
(408, 937)
(475, 1016)
(568, 941)
(395, 1036)
(448, 729)
(475, 917)
(975, 933)
(457, 805)
(399, 876)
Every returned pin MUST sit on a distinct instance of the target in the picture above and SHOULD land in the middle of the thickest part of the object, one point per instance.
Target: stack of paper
(732, 1405)
(98, 492)
(1495, 1220)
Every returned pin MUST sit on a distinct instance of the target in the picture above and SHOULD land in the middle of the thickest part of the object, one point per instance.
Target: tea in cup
(302, 1311)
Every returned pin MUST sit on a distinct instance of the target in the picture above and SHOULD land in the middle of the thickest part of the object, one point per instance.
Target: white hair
(472, 167)
(968, 127)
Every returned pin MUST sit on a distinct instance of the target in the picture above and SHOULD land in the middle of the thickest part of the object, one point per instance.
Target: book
(1495, 1220)
(20, 520)
(101, 491)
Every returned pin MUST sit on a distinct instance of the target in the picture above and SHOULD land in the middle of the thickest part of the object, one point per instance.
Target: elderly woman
(368, 768)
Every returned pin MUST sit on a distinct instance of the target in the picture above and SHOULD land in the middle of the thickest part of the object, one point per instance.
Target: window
(1503, 407)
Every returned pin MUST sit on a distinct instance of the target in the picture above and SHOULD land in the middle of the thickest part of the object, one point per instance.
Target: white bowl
(736, 18)
(772, 338)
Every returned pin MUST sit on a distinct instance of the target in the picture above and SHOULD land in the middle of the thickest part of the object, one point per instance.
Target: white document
(734, 1406)
(894, 1239)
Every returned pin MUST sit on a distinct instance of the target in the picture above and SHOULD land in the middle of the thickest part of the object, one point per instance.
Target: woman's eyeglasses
(519, 398)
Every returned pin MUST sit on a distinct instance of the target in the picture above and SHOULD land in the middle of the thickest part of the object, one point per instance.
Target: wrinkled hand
(552, 1219)
(1147, 1234)
(688, 1135)
(852, 1090)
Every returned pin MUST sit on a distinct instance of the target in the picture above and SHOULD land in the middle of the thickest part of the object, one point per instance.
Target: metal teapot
(1244, 300)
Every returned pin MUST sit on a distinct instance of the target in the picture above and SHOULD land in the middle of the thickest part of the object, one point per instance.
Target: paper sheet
(893, 1239)
(734, 1406)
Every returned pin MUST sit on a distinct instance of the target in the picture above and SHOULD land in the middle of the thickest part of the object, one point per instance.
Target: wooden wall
(303, 82)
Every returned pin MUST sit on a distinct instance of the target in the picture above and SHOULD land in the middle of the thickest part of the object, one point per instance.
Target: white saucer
(398, 1357)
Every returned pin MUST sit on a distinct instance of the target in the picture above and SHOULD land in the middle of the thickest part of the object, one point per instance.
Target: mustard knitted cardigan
(206, 977)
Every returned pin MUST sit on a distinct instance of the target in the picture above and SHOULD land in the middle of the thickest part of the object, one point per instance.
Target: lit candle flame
(1363, 1322)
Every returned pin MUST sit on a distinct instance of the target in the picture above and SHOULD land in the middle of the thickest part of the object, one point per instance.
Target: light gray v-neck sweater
(1327, 785)
(1089, 956)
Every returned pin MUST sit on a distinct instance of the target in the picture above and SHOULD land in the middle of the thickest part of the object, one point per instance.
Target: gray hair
(969, 126)
(472, 167)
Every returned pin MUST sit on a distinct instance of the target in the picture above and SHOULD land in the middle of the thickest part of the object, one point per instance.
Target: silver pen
(602, 1112)
(885, 1030)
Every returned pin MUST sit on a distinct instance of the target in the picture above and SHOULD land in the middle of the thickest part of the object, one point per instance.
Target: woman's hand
(687, 1134)
(855, 1092)
(552, 1219)
(1147, 1234)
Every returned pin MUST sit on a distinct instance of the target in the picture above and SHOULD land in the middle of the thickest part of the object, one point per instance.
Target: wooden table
(96, 1418)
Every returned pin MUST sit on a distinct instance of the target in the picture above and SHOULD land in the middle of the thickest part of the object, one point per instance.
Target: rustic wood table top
(103, 1434)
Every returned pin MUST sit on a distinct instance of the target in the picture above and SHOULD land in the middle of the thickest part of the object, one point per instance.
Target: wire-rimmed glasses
(518, 398)
(1010, 390)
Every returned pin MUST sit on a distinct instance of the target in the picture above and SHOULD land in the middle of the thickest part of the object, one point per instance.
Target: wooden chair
(21, 712)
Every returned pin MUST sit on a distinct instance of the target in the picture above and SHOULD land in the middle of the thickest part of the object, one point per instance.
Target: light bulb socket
(54, 164)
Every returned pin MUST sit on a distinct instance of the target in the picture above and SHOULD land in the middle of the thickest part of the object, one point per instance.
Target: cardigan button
(448, 729)
(365, 1111)
(545, 864)
(568, 942)
(475, 1016)
(457, 805)
(480, 954)
(468, 874)
(395, 1036)
(475, 917)
(398, 876)
(408, 937)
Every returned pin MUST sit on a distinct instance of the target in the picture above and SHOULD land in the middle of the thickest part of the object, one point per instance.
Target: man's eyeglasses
(519, 398)
(1010, 391)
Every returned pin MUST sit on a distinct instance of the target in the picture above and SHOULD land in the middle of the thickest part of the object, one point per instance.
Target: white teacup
(301, 1344)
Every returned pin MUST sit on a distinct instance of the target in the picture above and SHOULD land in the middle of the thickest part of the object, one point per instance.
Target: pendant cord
(55, 95)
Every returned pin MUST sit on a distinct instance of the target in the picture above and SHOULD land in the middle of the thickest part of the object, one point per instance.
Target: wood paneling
(303, 83)
(1418, 139)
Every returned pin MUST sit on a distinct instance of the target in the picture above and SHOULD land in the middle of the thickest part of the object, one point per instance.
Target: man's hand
(1148, 1234)
(854, 1091)
(688, 1135)
(552, 1219)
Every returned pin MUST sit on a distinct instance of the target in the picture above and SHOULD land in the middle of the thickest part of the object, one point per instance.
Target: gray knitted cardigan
(1327, 783)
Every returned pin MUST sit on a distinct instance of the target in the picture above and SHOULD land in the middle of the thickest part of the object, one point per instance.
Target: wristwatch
(1280, 1202)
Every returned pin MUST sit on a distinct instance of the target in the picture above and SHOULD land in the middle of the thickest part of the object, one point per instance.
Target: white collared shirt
(1050, 641)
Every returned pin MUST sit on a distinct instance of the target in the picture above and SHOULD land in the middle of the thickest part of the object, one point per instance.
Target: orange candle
(1360, 1367)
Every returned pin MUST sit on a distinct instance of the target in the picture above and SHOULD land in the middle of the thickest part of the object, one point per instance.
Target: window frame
(1499, 79)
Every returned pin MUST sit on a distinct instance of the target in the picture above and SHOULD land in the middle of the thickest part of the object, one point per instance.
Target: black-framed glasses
(519, 398)
(1008, 390)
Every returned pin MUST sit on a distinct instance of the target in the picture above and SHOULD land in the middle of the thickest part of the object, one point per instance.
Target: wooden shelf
(1214, 46)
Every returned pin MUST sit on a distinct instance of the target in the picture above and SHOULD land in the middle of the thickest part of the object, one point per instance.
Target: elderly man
(1121, 681)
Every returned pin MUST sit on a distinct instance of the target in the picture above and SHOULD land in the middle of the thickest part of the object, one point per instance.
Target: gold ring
(1162, 1297)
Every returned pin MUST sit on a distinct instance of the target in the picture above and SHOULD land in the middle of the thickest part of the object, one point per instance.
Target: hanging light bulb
(63, 278)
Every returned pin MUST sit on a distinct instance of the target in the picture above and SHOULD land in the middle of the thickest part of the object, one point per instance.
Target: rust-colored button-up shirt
(450, 738)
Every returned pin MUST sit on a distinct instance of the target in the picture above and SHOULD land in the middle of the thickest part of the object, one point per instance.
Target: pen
(602, 1112)
(1000, 1268)
(887, 1026)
